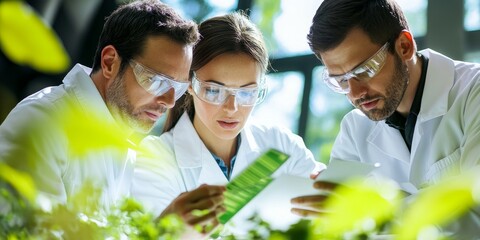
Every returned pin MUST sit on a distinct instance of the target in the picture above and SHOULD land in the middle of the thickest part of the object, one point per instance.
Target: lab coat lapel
(438, 82)
(247, 152)
(382, 138)
(211, 172)
(193, 157)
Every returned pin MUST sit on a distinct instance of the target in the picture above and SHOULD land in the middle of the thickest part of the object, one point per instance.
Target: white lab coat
(446, 137)
(180, 161)
(32, 141)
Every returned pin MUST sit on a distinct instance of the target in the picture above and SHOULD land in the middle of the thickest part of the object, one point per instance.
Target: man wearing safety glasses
(140, 69)
(416, 113)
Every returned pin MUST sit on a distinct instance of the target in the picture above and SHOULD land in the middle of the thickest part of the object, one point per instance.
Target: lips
(153, 115)
(369, 105)
(228, 124)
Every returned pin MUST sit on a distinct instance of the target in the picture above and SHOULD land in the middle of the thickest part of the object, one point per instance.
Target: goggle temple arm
(262, 93)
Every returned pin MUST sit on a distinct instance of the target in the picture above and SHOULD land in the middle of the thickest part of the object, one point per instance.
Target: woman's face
(224, 121)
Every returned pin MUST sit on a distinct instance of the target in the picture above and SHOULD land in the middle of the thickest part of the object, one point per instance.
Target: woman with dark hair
(208, 137)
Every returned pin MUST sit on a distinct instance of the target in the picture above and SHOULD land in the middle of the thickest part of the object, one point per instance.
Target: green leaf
(20, 181)
(437, 205)
(26, 40)
(89, 132)
(358, 207)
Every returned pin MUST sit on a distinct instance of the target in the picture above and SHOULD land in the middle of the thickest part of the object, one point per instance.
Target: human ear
(190, 89)
(405, 45)
(110, 62)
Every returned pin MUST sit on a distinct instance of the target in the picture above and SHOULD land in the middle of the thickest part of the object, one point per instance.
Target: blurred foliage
(355, 210)
(359, 207)
(20, 181)
(440, 204)
(27, 40)
(28, 214)
(83, 219)
(79, 125)
(269, 10)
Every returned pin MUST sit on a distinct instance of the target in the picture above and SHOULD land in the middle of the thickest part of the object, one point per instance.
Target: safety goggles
(364, 72)
(218, 94)
(157, 83)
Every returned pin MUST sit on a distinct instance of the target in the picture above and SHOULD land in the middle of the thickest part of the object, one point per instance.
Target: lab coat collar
(191, 152)
(248, 144)
(79, 82)
(247, 152)
(439, 81)
(382, 137)
(189, 148)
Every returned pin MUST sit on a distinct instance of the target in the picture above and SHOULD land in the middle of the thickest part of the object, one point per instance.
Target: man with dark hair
(80, 131)
(416, 111)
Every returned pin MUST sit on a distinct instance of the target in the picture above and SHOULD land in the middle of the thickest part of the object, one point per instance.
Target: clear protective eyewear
(364, 72)
(157, 83)
(217, 94)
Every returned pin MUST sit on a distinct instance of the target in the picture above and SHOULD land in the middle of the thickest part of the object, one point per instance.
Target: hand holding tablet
(337, 172)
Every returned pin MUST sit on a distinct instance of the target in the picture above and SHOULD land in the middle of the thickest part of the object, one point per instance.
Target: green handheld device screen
(250, 182)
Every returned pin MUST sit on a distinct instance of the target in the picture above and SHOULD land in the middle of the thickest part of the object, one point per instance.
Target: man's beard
(122, 110)
(394, 93)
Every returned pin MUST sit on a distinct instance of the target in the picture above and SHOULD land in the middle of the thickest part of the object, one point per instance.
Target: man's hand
(199, 208)
(313, 205)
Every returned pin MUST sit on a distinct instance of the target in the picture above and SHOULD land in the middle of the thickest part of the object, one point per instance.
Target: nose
(231, 105)
(167, 99)
(358, 88)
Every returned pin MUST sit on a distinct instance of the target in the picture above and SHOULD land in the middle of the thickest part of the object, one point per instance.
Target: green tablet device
(250, 182)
